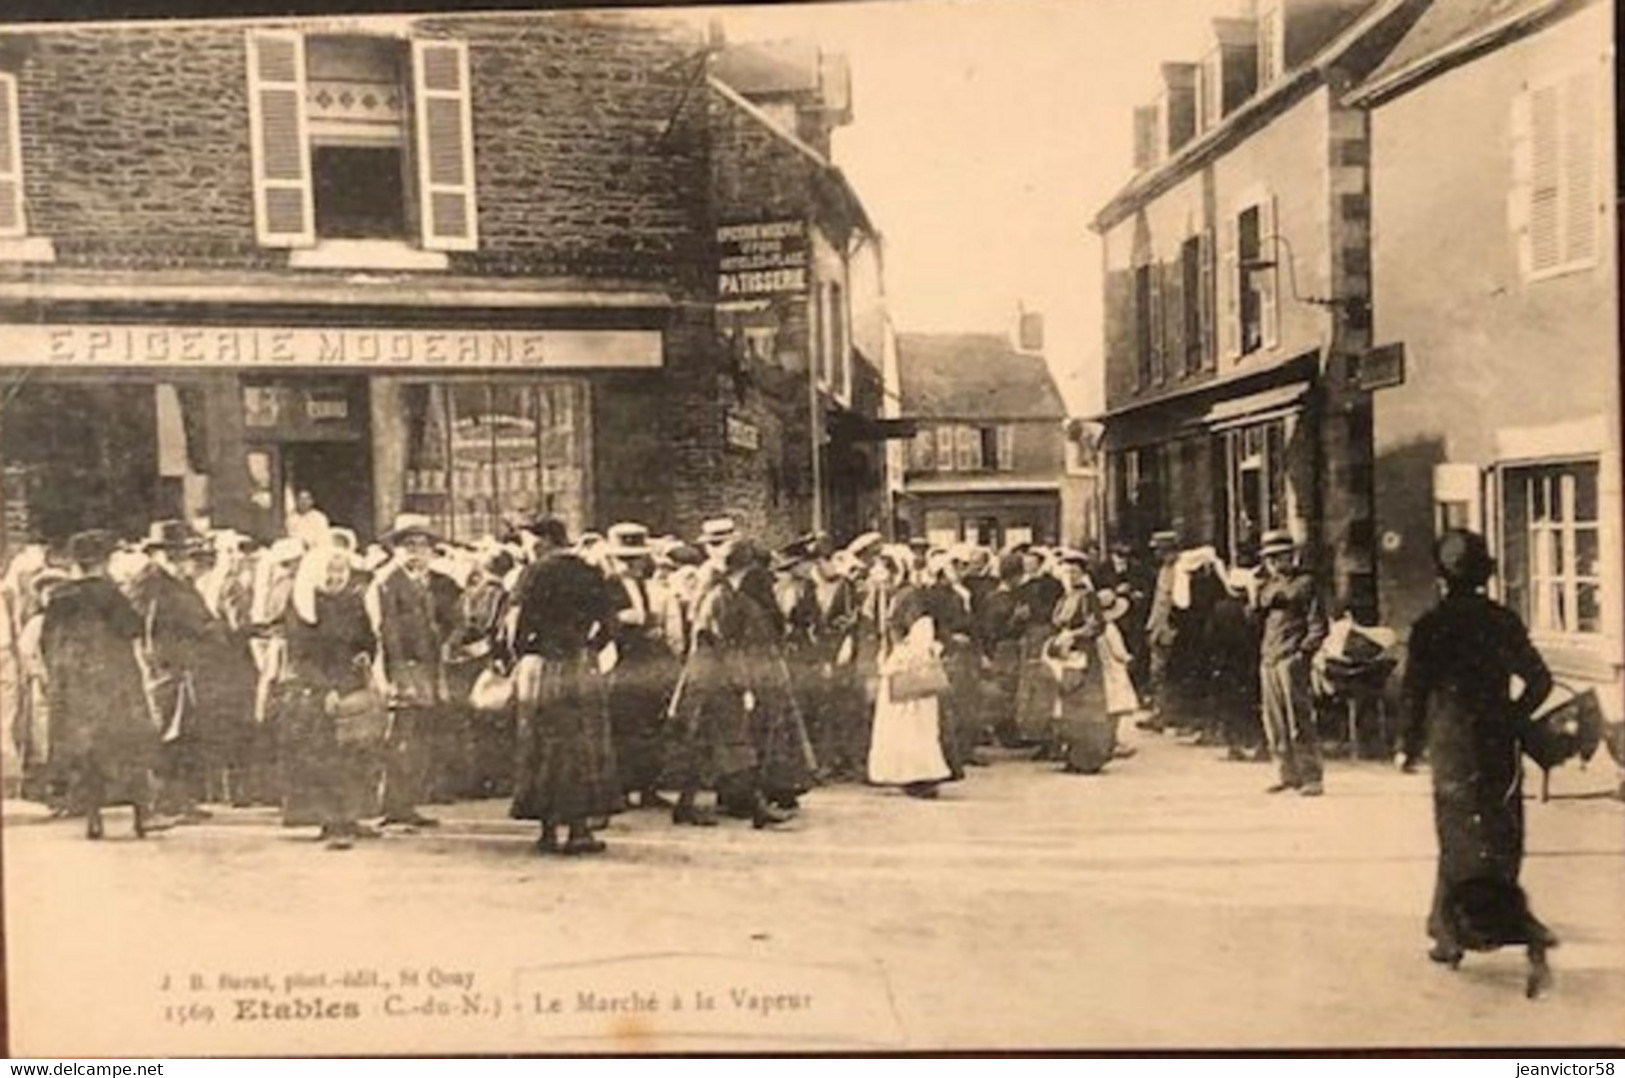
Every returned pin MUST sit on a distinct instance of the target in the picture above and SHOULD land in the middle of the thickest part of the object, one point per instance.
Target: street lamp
(1354, 307)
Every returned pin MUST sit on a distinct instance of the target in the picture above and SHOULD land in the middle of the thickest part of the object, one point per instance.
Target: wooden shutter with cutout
(284, 214)
(445, 145)
(12, 221)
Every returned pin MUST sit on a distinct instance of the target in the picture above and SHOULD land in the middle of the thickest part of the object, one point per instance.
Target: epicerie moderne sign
(762, 259)
(301, 346)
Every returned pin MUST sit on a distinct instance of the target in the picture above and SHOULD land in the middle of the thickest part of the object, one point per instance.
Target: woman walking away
(102, 736)
(330, 643)
(906, 749)
(1115, 660)
(1464, 654)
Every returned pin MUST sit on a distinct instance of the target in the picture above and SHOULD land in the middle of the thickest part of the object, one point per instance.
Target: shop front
(117, 425)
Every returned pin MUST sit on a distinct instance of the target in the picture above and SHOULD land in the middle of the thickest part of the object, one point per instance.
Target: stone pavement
(1167, 903)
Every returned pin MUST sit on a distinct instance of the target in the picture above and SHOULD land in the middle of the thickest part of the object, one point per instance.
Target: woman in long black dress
(1464, 654)
(102, 736)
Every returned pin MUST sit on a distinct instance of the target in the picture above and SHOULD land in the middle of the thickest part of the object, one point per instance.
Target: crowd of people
(585, 677)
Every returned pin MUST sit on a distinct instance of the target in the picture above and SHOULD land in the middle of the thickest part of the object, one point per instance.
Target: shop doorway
(338, 476)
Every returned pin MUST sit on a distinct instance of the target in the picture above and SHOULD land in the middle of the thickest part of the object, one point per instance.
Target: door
(339, 478)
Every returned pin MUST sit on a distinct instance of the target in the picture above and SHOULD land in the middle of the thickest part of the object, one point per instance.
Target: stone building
(476, 266)
(1237, 295)
(1495, 266)
(988, 462)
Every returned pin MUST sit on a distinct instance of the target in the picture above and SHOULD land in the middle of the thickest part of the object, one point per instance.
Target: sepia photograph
(861, 527)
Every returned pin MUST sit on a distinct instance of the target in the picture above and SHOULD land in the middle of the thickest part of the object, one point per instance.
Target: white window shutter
(1269, 281)
(284, 213)
(12, 221)
(1580, 218)
(1521, 190)
(1159, 364)
(945, 449)
(1007, 448)
(1229, 291)
(442, 103)
(1204, 301)
(1546, 177)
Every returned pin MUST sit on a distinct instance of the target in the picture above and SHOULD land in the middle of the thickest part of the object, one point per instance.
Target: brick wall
(136, 145)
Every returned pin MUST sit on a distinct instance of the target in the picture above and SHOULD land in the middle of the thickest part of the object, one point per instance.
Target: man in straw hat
(1293, 630)
(1160, 631)
(415, 610)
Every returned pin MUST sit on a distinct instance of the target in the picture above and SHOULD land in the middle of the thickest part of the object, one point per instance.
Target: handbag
(1572, 728)
(493, 692)
(918, 681)
(359, 716)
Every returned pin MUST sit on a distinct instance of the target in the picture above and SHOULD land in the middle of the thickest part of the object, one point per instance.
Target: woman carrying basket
(1464, 654)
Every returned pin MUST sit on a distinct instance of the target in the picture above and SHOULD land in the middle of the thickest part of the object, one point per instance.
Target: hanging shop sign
(147, 345)
(766, 258)
(743, 434)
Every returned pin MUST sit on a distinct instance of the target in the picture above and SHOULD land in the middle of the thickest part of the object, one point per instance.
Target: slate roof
(973, 375)
(1447, 23)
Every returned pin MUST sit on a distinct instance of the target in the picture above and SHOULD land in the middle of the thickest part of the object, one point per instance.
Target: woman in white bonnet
(329, 653)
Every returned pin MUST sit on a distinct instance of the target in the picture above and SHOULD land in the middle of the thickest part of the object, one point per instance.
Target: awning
(856, 427)
(1254, 407)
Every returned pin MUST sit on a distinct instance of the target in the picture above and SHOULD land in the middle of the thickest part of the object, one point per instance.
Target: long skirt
(566, 761)
(638, 692)
(1035, 691)
(906, 747)
(1478, 904)
(323, 782)
(1088, 733)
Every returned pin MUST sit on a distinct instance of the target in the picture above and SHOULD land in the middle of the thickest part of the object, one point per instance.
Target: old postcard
(902, 526)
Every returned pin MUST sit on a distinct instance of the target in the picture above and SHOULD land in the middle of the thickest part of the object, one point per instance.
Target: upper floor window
(1555, 197)
(962, 447)
(1196, 290)
(1150, 367)
(1249, 285)
(840, 359)
(361, 137)
(12, 221)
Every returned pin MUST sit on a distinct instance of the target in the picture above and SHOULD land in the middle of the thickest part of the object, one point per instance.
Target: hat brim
(395, 538)
(629, 552)
(1279, 548)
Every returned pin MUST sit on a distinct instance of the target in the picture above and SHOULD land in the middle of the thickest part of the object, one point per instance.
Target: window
(923, 450)
(1144, 368)
(13, 224)
(1255, 459)
(1251, 280)
(361, 138)
(839, 362)
(1196, 289)
(967, 449)
(1552, 570)
(945, 449)
(480, 455)
(1555, 190)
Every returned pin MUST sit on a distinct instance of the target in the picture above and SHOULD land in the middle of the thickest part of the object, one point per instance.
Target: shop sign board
(765, 258)
(172, 345)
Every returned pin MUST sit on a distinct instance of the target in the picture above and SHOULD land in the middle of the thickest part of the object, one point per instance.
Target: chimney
(1178, 106)
(1030, 334)
(1145, 137)
(1237, 62)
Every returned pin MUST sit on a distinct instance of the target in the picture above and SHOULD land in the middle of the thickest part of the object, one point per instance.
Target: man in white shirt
(307, 522)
